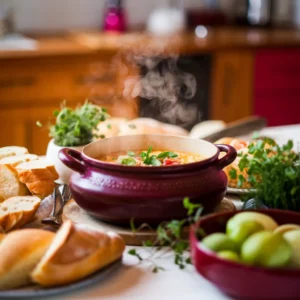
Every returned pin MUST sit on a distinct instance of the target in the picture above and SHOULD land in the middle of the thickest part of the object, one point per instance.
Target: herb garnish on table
(171, 236)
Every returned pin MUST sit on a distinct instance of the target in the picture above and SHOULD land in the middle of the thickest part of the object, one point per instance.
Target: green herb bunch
(273, 171)
(172, 237)
(75, 127)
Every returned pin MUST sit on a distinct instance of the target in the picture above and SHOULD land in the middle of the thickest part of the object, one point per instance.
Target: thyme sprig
(171, 237)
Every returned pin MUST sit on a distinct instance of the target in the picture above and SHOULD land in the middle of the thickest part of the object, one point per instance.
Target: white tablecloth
(135, 281)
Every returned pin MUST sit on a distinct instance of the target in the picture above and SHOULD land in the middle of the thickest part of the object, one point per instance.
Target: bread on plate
(240, 146)
(141, 126)
(21, 250)
(12, 151)
(110, 127)
(13, 161)
(17, 211)
(76, 251)
(39, 177)
(10, 184)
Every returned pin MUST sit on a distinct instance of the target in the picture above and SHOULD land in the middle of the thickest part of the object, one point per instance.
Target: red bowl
(238, 280)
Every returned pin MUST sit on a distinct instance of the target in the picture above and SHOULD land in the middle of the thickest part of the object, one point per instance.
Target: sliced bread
(12, 150)
(10, 184)
(17, 211)
(38, 176)
(13, 161)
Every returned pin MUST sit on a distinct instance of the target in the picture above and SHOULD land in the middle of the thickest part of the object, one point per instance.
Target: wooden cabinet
(31, 89)
(232, 85)
(18, 127)
(276, 87)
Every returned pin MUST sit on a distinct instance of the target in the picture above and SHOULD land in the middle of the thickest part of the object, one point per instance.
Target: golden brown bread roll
(21, 250)
(170, 129)
(110, 127)
(76, 251)
(141, 126)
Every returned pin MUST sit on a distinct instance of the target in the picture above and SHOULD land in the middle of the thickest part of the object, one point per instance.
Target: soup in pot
(152, 158)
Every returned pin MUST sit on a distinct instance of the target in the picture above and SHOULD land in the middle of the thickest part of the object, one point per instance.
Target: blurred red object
(208, 17)
(277, 86)
(115, 17)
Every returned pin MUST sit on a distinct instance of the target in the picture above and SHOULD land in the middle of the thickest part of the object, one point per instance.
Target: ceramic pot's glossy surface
(117, 193)
(238, 280)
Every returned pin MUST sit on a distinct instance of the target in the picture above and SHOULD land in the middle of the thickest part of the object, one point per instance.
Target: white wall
(55, 15)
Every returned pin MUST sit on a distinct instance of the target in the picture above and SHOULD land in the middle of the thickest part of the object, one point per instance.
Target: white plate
(37, 292)
(237, 191)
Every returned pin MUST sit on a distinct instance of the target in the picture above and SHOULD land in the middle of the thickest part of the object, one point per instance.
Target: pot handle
(72, 159)
(228, 158)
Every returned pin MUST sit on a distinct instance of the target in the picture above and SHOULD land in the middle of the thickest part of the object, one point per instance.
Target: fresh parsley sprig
(273, 171)
(154, 160)
(172, 236)
(75, 127)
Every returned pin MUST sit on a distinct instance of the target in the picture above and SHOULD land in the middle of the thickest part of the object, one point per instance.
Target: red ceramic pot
(238, 280)
(117, 193)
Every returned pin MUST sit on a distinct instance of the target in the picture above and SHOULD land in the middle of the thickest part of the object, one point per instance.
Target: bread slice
(12, 150)
(21, 250)
(37, 168)
(41, 188)
(10, 184)
(76, 252)
(13, 161)
(39, 176)
(17, 211)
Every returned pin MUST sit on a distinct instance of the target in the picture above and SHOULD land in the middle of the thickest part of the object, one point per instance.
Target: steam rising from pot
(167, 92)
(167, 88)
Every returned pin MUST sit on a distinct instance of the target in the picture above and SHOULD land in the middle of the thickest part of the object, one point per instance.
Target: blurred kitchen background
(180, 61)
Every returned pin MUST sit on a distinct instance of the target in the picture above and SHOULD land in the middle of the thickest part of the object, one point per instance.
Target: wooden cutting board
(77, 215)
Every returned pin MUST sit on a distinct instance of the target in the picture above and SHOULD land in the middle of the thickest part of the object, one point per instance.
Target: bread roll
(206, 128)
(10, 184)
(12, 150)
(21, 250)
(38, 176)
(141, 126)
(110, 127)
(76, 251)
(17, 211)
(170, 129)
(13, 161)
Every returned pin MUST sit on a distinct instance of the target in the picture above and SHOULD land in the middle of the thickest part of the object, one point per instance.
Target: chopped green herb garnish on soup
(154, 158)
(128, 161)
